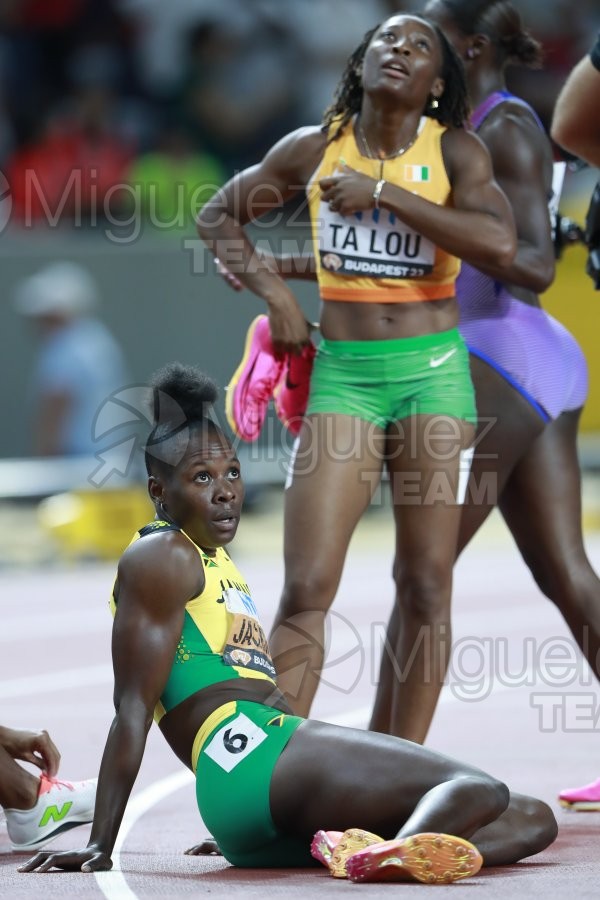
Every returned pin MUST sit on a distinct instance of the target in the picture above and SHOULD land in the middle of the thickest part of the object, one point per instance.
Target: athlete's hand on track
(348, 191)
(207, 847)
(87, 860)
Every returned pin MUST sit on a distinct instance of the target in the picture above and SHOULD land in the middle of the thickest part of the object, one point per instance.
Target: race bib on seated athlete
(246, 644)
(374, 243)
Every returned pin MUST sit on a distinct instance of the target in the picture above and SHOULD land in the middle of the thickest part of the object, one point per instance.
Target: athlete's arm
(478, 227)
(157, 576)
(523, 168)
(575, 122)
(301, 267)
(284, 171)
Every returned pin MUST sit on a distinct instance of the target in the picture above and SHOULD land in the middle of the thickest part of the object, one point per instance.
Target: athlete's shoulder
(515, 139)
(462, 149)
(298, 152)
(162, 558)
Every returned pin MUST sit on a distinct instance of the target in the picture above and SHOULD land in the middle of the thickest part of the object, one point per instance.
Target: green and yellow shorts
(387, 381)
(234, 755)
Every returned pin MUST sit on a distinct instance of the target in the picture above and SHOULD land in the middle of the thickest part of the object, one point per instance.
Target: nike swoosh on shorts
(434, 363)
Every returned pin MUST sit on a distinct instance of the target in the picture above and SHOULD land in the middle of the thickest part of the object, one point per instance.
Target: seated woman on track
(188, 649)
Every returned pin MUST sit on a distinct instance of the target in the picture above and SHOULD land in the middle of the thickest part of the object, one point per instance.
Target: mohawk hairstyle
(182, 398)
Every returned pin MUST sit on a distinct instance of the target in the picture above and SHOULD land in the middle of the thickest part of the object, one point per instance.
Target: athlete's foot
(60, 805)
(582, 799)
(323, 845)
(429, 857)
(333, 848)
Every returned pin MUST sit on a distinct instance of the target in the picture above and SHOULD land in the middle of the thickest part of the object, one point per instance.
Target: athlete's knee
(307, 591)
(538, 827)
(423, 595)
(486, 795)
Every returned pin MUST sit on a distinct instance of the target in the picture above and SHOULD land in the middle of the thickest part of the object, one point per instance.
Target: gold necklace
(380, 156)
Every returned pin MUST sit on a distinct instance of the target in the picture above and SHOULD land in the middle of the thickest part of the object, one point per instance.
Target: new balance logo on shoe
(54, 813)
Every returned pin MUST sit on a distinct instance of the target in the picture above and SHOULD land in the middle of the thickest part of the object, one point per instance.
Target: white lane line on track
(113, 884)
(85, 676)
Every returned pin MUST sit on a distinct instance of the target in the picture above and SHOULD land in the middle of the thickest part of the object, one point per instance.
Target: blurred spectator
(241, 85)
(76, 167)
(84, 85)
(79, 363)
(563, 27)
(326, 33)
(173, 182)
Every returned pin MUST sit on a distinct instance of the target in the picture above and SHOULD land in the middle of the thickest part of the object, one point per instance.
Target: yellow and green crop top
(222, 638)
(372, 256)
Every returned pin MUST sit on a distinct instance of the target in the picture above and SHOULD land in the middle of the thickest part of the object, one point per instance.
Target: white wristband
(377, 191)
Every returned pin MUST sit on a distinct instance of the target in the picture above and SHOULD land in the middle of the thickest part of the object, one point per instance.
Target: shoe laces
(47, 784)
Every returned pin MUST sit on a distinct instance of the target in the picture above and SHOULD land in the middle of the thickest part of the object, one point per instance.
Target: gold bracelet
(377, 191)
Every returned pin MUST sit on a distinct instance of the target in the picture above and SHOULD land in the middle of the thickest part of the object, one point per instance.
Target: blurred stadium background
(117, 118)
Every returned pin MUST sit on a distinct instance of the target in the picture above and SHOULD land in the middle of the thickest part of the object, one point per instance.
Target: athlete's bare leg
(507, 427)
(542, 507)
(424, 475)
(338, 468)
(336, 778)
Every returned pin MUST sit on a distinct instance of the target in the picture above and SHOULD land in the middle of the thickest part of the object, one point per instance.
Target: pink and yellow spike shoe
(333, 848)
(251, 387)
(430, 858)
(582, 799)
(323, 844)
(292, 390)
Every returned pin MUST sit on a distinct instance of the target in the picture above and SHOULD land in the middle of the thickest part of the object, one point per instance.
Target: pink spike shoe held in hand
(292, 390)
(251, 387)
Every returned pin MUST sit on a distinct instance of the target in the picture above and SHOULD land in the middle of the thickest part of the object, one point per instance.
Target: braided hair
(502, 24)
(453, 108)
(182, 399)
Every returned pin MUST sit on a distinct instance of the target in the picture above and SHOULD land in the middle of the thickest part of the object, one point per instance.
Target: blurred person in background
(576, 122)
(239, 91)
(75, 165)
(79, 363)
(172, 181)
(39, 808)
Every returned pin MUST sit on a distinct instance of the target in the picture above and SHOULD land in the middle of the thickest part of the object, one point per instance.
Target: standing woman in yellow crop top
(397, 191)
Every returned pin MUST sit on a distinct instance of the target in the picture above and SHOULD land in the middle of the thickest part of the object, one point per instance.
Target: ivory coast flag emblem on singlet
(416, 173)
